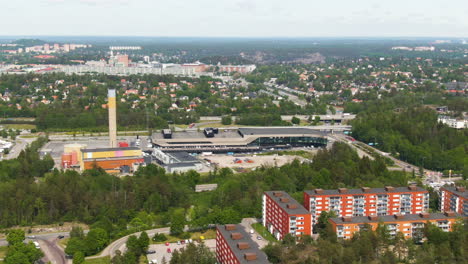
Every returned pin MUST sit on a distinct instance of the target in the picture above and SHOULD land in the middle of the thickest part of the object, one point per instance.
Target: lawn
(263, 232)
(104, 260)
(208, 234)
(19, 126)
(3, 251)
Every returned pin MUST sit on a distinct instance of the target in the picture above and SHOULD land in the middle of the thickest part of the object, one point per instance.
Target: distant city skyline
(236, 18)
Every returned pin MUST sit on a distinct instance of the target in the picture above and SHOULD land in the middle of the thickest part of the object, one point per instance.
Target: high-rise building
(235, 246)
(282, 215)
(412, 226)
(454, 199)
(367, 201)
(112, 118)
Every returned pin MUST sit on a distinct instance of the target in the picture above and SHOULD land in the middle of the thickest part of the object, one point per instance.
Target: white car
(153, 261)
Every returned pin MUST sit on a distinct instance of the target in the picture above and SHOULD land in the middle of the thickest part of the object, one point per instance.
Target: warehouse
(113, 160)
(241, 140)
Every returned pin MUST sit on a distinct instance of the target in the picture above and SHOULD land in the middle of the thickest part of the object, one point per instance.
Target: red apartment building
(282, 215)
(367, 201)
(412, 226)
(454, 199)
(235, 246)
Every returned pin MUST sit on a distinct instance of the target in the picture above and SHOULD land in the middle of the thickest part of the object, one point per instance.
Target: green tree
(144, 241)
(78, 258)
(226, 120)
(177, 221)
(15, 236)
(194, 254)
(295, 120)
(96, 240)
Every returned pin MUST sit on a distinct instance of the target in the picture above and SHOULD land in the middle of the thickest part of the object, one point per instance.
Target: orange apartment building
(367, 201)
(454, 199)
(282, 215)
(412, 226)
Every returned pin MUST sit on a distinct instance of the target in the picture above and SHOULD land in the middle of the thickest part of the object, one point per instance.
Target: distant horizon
(236, 18)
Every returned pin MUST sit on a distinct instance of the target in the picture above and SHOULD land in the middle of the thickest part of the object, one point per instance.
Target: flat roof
(278, 131)
(109, 149)
(299, 207)
(392, 218)
(360, 191)
(453, 189)
(182, 156)
(246, 238)
(113, 158)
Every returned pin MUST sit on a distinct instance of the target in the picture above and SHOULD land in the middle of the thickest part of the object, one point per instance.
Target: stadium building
(240, 140)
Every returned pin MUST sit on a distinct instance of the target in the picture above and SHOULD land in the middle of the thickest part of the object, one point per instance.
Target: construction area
(247, 161)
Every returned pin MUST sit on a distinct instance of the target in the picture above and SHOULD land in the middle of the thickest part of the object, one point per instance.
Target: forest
(413, 134)
(151, 197)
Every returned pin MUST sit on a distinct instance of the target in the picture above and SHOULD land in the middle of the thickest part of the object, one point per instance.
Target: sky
(236, 18)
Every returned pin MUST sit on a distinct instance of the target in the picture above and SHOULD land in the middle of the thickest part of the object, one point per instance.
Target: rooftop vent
(399, 216)
(250, 256)
(243, 245)
(460, 189)
(292, 206)
(373, 218)
(342, 190)
(412, 187)
(389, 188)
(236, 236)
(318, 191)
(230, 227)
(366, 189)
(424, 215)
(347, 219)
(284, 200)
(449, 213)
(278, 194)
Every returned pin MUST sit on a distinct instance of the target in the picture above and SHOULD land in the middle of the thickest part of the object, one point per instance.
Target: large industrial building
(282, 215)
(454, 199)
(367, 201)
(117, 158)
(240, 140)
(412, 226)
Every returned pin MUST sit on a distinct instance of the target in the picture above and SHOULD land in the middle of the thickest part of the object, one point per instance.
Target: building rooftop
(109, 149)
(460, 191)
(286, 202)
(278, 131)
(423, 217)
(365, 190)
(243, 240)
(182, 156)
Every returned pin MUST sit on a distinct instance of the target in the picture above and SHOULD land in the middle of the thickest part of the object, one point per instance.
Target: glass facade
(290, 141)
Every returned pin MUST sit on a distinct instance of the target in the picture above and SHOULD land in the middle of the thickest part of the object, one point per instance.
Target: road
(20, 144)
(428, 175)
(53, 253)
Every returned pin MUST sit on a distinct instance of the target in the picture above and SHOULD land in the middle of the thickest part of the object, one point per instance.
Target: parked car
(31, 237)
(61, 237)
(167, 243)
(153, 261)
(151, 251)
(178, 242)
(169, 250)
(259, 237)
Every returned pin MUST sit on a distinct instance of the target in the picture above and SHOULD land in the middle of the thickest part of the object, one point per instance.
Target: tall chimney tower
(111, 105)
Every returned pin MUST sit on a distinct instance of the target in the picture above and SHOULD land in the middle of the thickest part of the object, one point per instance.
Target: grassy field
(19, 126)
(209, 234)
(63, 242)
(3, 251)
(104, 260)
(263, 232)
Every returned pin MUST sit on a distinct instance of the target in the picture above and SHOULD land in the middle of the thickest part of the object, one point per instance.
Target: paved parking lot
(161, 250)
